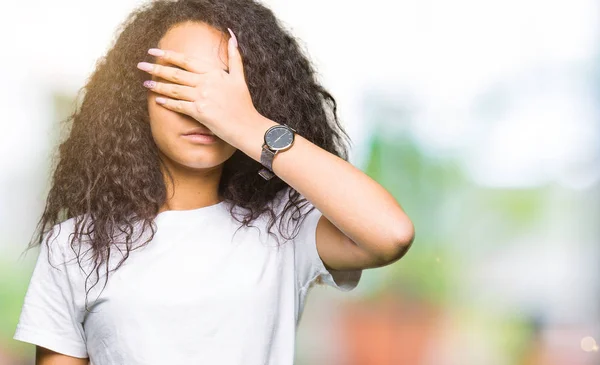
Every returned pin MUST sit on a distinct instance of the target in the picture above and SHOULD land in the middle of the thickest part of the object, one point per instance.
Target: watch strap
(266, 159)
(266, 174)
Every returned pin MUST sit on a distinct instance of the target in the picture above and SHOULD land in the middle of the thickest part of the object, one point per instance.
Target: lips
(198, 131)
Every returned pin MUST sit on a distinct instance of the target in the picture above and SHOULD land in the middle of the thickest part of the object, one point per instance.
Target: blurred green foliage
(453, 216)
(421, 184)
(14, 279)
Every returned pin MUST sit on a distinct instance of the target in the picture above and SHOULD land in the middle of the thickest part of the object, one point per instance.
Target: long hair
(107, 172)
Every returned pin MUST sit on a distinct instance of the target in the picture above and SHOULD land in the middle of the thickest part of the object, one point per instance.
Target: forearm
(356, 204)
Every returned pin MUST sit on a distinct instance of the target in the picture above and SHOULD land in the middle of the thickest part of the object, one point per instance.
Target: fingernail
(149, 84)
(156, 52)
(233, 37)
(161, 100)
(144, 66)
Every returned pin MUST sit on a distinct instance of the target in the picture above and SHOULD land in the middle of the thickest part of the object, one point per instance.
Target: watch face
(279, 138)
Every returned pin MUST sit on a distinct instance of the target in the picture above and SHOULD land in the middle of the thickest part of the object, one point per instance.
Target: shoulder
(60, 240)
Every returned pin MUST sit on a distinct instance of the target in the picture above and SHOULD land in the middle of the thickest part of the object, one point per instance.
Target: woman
(162, 164)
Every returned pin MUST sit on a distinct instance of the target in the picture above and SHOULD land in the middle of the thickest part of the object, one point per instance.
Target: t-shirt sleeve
(310, 266)
(49, 317)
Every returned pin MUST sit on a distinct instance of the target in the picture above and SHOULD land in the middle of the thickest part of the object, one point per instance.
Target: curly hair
(107, 173)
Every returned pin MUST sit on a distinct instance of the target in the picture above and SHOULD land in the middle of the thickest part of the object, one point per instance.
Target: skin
(376, 233)
(44, 356)
(196, 168)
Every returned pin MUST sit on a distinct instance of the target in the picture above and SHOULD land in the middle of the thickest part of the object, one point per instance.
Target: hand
(218, 99)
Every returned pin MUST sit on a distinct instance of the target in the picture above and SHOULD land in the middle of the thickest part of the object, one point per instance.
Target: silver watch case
(272, 146)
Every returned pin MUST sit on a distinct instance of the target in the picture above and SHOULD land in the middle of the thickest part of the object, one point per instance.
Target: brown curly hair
(107, 174)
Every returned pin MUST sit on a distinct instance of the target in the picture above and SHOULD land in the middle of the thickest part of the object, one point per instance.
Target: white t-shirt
(196, 294)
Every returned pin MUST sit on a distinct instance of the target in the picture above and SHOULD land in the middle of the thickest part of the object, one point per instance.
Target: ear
(236, 65)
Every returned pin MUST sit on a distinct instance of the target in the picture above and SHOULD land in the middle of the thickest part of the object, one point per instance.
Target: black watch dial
(279, 137)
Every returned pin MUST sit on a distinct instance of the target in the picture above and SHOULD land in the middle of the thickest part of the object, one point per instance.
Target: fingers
(180, 92)
(170, 73)
(197, 65)
(180, 106)
(236, 65)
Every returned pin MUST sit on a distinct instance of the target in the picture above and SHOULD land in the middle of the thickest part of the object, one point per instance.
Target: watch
(277, 138)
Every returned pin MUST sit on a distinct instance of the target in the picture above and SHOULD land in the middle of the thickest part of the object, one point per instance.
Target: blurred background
(480, 117)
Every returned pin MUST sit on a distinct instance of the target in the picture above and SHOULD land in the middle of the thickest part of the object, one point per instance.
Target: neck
(191, 189)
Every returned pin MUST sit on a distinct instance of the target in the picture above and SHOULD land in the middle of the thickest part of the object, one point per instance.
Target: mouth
(200, 137)
(198, 131)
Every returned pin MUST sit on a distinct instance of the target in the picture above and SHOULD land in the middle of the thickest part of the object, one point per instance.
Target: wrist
(251, 139)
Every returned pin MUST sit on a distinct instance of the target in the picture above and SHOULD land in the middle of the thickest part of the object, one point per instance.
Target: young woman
(191, 143)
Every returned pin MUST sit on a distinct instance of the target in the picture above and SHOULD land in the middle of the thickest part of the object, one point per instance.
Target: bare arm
(44, 356)
(362, 226)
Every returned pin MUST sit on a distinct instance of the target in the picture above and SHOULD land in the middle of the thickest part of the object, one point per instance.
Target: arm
(362, 224)
(44, 356)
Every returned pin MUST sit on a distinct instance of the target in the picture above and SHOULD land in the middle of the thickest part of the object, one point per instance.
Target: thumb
(236, 66)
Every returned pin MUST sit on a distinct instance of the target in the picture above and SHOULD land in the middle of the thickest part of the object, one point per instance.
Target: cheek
(154, 110)
(158, 124)
(163, 125)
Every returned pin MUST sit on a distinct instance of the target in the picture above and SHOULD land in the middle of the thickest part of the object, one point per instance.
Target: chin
(198, 159)
(198, 162)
